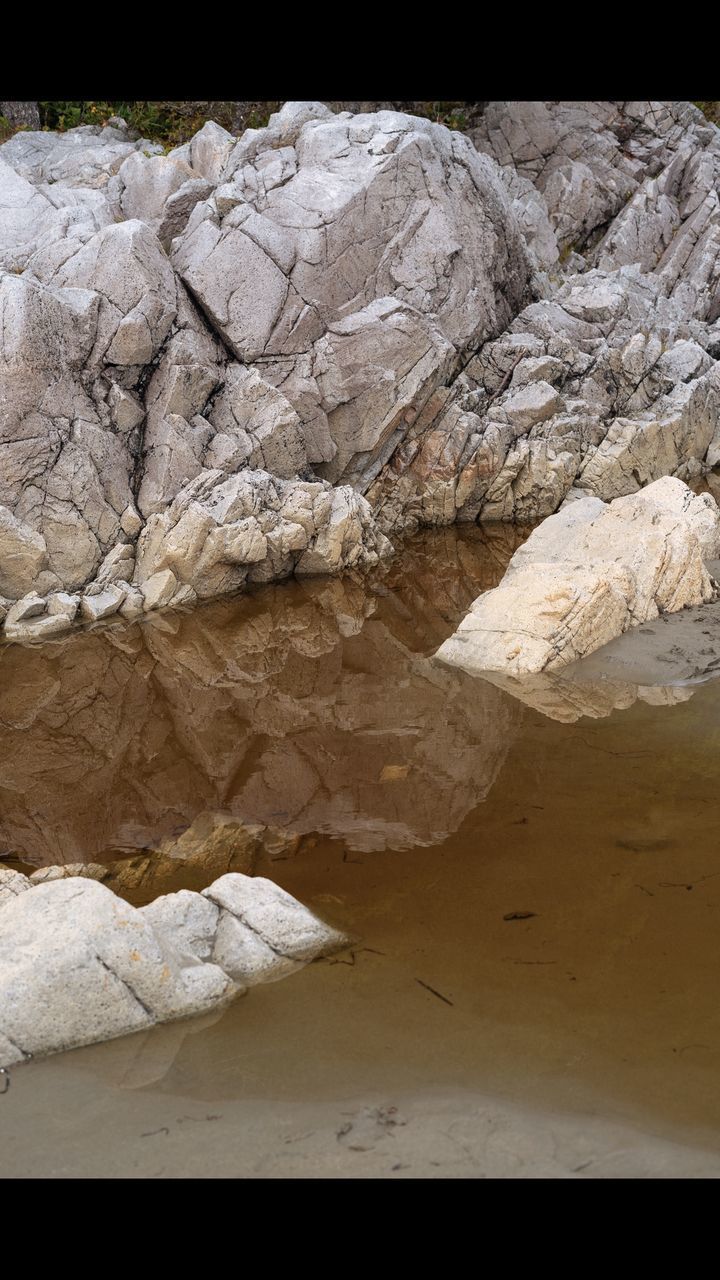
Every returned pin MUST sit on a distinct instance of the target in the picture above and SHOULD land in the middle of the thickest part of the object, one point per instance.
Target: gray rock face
(347, 252)
(447, 328)
(78, 964)
(586, 575)
(587, 159)
(223, 531)
(630, 310)
(604, 389)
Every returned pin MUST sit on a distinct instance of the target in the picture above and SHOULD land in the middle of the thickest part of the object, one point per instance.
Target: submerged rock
(586, 575)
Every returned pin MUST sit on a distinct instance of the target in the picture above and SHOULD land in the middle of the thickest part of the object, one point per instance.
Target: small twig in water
(680, 884)
(439, 994)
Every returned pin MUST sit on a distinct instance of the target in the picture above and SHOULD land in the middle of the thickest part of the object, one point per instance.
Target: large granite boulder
(350, 255)
(588, 574)
(78, 964)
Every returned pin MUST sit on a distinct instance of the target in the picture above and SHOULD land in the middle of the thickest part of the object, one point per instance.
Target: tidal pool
(532, 875)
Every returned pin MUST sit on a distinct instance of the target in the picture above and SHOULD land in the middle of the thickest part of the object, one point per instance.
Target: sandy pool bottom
(534, 996)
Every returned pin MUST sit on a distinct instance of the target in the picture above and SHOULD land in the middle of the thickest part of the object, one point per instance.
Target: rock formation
(100, 968)
(255, 357)
(588, 574)
(208, 356)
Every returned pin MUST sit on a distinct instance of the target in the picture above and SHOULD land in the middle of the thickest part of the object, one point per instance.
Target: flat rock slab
(588, 574)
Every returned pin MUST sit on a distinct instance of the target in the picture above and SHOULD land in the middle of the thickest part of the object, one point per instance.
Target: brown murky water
(534, 882)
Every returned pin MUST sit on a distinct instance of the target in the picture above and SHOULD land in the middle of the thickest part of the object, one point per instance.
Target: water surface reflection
(309, 707)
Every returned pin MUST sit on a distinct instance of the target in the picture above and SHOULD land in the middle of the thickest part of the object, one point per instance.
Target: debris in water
(439, 994)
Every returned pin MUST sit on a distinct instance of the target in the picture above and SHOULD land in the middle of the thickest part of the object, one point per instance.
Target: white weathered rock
(367, 270)
(286, 926)
(159, 589)
(11, 884)
(125, 265)
(255, 426)
(103, 603)
(118, 565)
(187, 920)
(586, 575)
(220, 531)
(349, 255)
(77, 964)
(30, 606)
(23, 555)
(207, 152)
(132, 606)
(82, 157)
(61, 604)
(246, 956)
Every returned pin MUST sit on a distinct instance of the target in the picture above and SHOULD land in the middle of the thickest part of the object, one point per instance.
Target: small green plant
(711, 110)
(169, 123)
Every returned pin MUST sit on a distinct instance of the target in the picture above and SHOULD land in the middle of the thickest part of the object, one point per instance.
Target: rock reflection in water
(661, 663)
(567, 700)
(213, 845)
(307, 707)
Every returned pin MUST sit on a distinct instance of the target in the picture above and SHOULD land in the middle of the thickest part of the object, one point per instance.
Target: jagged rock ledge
(78, 964)
(219, 533)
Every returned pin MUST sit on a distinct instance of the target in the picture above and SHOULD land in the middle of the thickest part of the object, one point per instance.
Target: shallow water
(534, 882)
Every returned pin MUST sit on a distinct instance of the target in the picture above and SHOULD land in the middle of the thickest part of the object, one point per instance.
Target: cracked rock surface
(265, 355)
(79, 965)
(588, 574)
